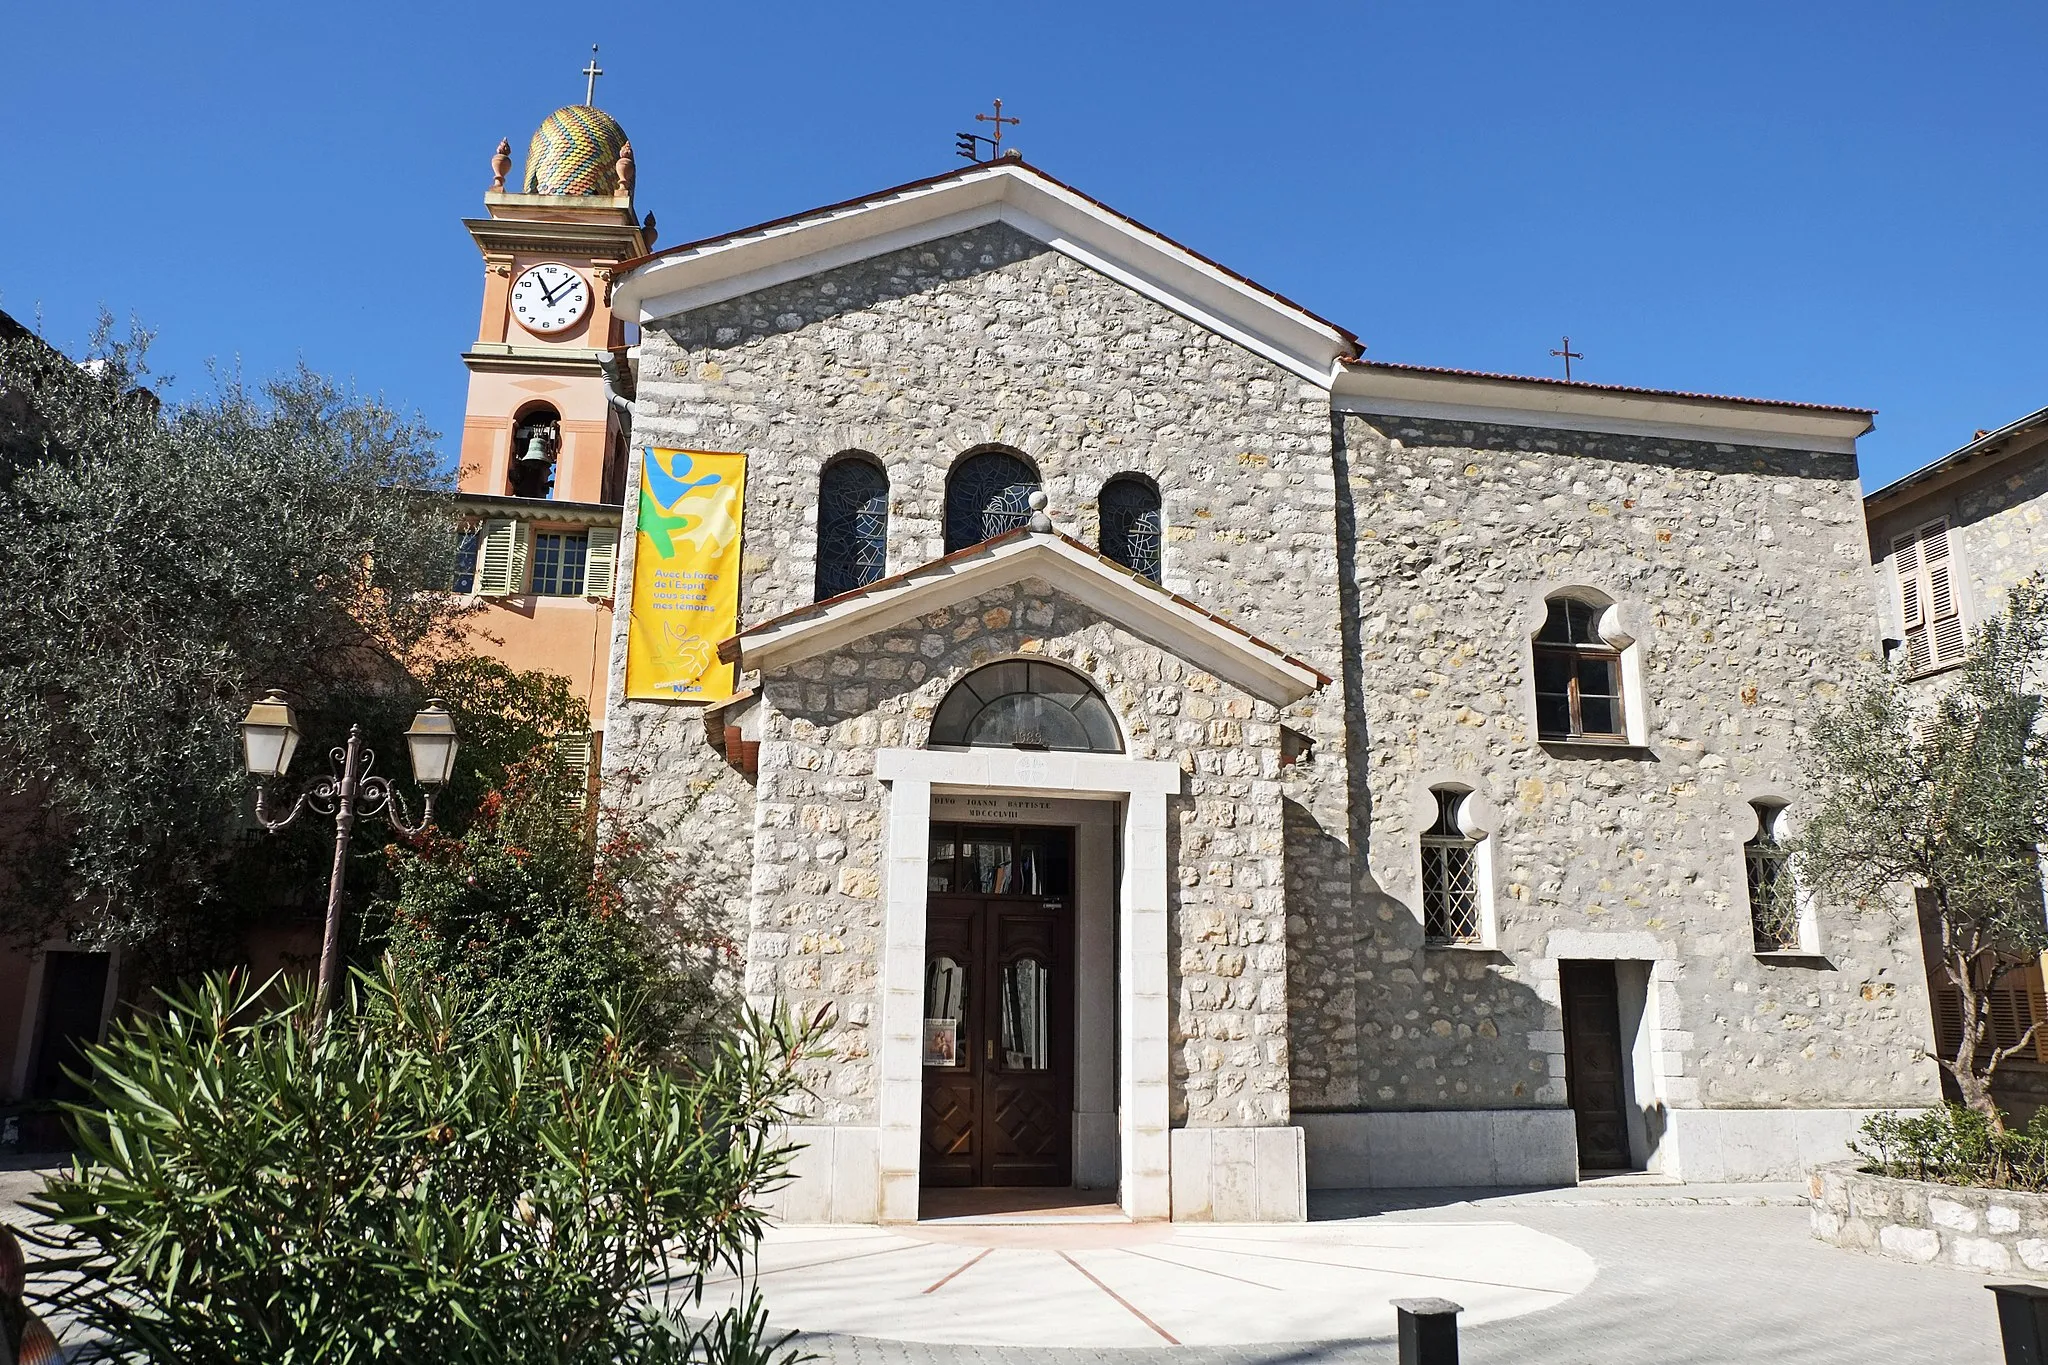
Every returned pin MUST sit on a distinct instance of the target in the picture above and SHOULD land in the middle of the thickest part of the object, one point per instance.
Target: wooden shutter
(574, 751)
(1929, 611)
(494, 557)
(601, 561)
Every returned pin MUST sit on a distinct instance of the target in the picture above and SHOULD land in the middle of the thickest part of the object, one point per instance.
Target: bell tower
(549, 386)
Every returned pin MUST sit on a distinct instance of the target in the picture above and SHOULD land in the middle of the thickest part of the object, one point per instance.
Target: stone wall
(817, 912)
(1740, 575)
(2004, 1232)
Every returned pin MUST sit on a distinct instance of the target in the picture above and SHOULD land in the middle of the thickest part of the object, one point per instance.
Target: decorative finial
(647, 226)
(593, 71)
(624, 169)
(1040, 521)
(501, 163)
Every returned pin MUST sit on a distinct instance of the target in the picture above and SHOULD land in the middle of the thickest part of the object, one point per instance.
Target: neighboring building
(1345, 774)
(1947, 543)
(545, 430)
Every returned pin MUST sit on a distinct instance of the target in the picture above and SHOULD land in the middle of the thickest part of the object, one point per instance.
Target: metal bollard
(2023, 1322)
(1428, 1331)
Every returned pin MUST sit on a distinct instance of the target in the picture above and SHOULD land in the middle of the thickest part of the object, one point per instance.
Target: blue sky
(1835, 203)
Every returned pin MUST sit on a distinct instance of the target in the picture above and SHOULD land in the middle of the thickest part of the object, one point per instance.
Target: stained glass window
(853, 526)
(986, 496)
(1132, 524)
(1026, 705)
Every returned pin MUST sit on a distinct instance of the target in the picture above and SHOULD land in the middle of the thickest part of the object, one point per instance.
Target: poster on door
(686, 575)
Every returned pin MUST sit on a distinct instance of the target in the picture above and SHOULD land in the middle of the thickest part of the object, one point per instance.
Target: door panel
(1596, 1084)
(1001, 1111)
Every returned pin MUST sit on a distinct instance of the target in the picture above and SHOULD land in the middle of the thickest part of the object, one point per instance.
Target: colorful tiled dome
(575, 151)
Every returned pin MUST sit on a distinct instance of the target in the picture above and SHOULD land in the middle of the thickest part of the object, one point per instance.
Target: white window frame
(1473, 823)
(1804, 904)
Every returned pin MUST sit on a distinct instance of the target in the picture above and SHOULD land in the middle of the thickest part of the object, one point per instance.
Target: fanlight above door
(1023, 704)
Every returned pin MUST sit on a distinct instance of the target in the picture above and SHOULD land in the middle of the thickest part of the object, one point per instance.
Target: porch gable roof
(1173, 623)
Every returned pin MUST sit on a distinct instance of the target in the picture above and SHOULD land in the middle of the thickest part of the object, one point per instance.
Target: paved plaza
(1672, 1281)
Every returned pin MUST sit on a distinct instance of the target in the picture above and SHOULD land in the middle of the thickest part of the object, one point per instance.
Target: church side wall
(1741, 573)
(989, 337)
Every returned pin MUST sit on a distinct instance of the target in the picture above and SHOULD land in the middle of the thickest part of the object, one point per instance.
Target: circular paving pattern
(1151, 1284)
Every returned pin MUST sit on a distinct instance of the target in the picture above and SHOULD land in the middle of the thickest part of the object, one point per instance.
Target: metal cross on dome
(593, 71)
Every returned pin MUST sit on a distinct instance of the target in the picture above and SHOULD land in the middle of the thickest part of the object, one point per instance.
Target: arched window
(853, 525)
(1024, 704)
(985, 496)
(1775, 914)
(536, 441)
(1132, 524)
(1578, 676)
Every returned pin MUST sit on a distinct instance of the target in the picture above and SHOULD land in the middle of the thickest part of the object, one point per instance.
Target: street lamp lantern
(352, 791)
(432, 742)
(270, 735)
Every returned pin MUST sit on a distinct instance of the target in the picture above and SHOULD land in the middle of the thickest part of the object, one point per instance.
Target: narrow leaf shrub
(1956, 1145)
(408, 1183)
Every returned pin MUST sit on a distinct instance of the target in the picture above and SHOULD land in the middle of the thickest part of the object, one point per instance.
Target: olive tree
(159, 563)
(1941, 788)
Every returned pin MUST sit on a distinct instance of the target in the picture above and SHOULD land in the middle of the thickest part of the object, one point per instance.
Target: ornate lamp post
(270, 735)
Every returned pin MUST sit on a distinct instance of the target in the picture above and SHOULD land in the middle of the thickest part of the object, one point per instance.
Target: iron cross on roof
(593, 71)
(969, 144)
(1569, 356)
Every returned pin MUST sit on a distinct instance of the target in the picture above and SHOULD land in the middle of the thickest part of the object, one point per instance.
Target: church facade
(1198, 764)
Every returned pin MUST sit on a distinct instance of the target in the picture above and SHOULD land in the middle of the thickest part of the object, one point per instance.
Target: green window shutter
(522, 556)
(574, 751)
(601, 562)
(501, 561)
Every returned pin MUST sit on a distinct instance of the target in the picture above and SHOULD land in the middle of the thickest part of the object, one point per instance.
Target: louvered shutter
(1945, 618)
(601, 560)
(574, 751)
(496, 559)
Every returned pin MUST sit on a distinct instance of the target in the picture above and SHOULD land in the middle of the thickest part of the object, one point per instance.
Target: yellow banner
(686, 575)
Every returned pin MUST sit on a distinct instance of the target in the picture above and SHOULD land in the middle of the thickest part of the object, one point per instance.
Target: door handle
(991, 1049)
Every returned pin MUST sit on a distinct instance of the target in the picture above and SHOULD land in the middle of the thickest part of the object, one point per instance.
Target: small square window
(558, 564)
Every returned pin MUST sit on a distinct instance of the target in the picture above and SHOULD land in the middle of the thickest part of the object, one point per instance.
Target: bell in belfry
(536, 449)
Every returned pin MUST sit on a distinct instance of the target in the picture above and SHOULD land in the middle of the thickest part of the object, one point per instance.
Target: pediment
(698, 274)
(1172, 623)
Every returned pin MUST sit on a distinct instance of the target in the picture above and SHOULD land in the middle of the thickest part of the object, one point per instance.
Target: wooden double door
(998, 1042)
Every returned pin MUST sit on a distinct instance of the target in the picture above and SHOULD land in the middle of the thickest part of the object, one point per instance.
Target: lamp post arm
(269, 819)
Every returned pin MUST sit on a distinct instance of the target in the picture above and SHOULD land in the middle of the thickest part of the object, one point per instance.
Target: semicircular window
(1022, 704)
(1131, 524)
(853, 525)
(987, 494)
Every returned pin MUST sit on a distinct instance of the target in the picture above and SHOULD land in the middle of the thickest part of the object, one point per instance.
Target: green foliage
(1956, 1145)
(522, 911)
(507, 719)
(413, 1182)
(1944, 788)
(160, 564)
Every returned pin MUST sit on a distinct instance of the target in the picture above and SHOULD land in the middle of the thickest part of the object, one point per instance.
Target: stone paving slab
(1676, 1285)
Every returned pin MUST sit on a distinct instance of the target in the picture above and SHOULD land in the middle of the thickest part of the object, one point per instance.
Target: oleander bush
(416, 1180)
(1956, 1145)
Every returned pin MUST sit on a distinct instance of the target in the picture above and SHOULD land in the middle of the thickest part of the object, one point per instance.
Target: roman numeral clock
(549, 298)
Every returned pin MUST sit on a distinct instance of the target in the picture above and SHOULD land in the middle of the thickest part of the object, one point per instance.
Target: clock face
(549, 298)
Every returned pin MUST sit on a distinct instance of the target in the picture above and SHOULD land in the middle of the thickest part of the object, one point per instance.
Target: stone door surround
(1141, 788)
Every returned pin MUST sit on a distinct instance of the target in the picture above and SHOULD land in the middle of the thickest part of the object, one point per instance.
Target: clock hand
(564, 288)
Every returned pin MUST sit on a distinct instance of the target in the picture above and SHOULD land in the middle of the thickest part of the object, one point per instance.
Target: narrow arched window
(1451, 885)
(1025, 704)
(1578, 676)
(1774, 909)
(853, 525)
(986, 495)
(1132, 524)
